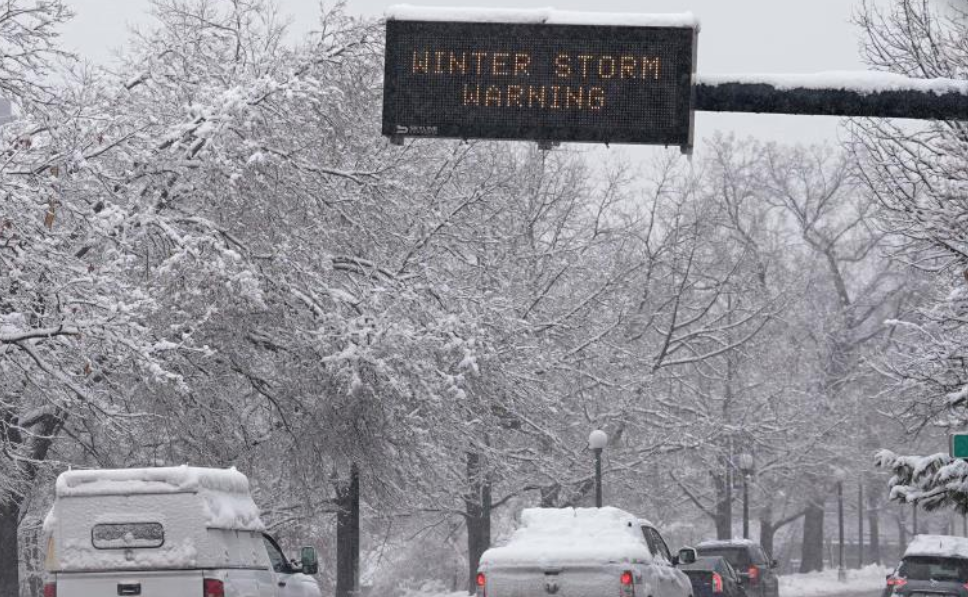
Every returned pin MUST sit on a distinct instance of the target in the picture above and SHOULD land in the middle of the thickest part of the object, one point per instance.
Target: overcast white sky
(738, 36)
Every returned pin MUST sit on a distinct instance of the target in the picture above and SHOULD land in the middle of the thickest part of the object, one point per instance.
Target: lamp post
(840, 475)
(597, 441)
(745, 462)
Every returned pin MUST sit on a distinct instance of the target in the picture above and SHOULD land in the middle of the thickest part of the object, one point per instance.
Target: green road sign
(959, 445)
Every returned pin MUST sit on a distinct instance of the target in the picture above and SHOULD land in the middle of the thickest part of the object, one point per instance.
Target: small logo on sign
(551, 587)
(416, 130)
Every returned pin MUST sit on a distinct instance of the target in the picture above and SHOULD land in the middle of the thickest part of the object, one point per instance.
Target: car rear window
(934, 568)
(127, 535)
(737, 557)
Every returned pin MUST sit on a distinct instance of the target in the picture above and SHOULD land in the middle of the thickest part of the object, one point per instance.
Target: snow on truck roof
(224, 492)
(938, 545)
(132, 481)
(548, 16)
(570, 535)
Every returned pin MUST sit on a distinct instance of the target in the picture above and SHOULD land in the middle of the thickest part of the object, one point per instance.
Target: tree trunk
(724, 506)
(549, 495)
(9, 561)
(478, 512)
(873, 527)
(348, 535)
(767, 531)
(812, 552)
(901, 530)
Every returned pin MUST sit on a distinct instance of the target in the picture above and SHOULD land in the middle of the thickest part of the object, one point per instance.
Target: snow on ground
(818, 584)
(433, 588)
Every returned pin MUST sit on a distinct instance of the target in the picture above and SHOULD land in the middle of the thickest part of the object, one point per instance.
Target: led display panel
(544, 82)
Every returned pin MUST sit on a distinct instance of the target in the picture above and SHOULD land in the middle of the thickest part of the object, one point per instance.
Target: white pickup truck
(166, 532)
(577, 552)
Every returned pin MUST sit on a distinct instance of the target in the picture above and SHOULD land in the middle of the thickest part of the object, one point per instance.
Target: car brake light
(896, 582)
(481, 584)
(754, 574)
(50, 589)
(628, 584)
(212, 588)
(717, 583)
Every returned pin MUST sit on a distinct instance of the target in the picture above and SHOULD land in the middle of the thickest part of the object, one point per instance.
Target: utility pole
(860, 524)
(841, 571)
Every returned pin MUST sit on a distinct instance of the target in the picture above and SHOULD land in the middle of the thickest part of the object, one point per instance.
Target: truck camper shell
(174, 518)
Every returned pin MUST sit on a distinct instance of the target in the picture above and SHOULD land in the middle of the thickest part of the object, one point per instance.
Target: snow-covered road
(867, 582)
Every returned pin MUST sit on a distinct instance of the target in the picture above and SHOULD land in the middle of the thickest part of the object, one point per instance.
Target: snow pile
(224, 492)
(864, 82)
(541, 16)
(818, 584)
(572, 536)
(938, 545)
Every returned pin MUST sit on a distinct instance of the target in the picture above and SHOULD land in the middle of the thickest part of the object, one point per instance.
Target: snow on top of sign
(860, 81)
(938, 545)
(572, 535)
(130, 481)
(538, 16)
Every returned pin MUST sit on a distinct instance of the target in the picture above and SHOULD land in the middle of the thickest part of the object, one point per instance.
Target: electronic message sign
(538, 81)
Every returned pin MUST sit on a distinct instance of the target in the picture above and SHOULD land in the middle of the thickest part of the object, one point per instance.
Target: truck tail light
(212, 587)
(717, 583)
(50, 589)
(754, 574)
(481, 584)
(628, 584)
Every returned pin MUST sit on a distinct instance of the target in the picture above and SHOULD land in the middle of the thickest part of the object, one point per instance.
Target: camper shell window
(128, 535)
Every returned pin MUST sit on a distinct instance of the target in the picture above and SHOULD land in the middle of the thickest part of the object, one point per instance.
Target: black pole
(841, 573)
(746, 507)
(763, 97)
(914, 506)
(860, 524)
(598, 478)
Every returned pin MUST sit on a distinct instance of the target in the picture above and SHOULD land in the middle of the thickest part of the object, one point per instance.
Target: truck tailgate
(565, 581)
(141, 583)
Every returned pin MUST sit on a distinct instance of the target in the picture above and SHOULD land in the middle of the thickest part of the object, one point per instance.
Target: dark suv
(753, 567)
(933, 565)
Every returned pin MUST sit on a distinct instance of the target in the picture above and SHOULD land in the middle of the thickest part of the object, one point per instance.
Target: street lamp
(840, 474)
(596, 441)
(745, 462)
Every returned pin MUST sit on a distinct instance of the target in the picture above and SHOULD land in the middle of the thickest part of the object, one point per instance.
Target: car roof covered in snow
(938, 545)
(133, 481)
(572, 536)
